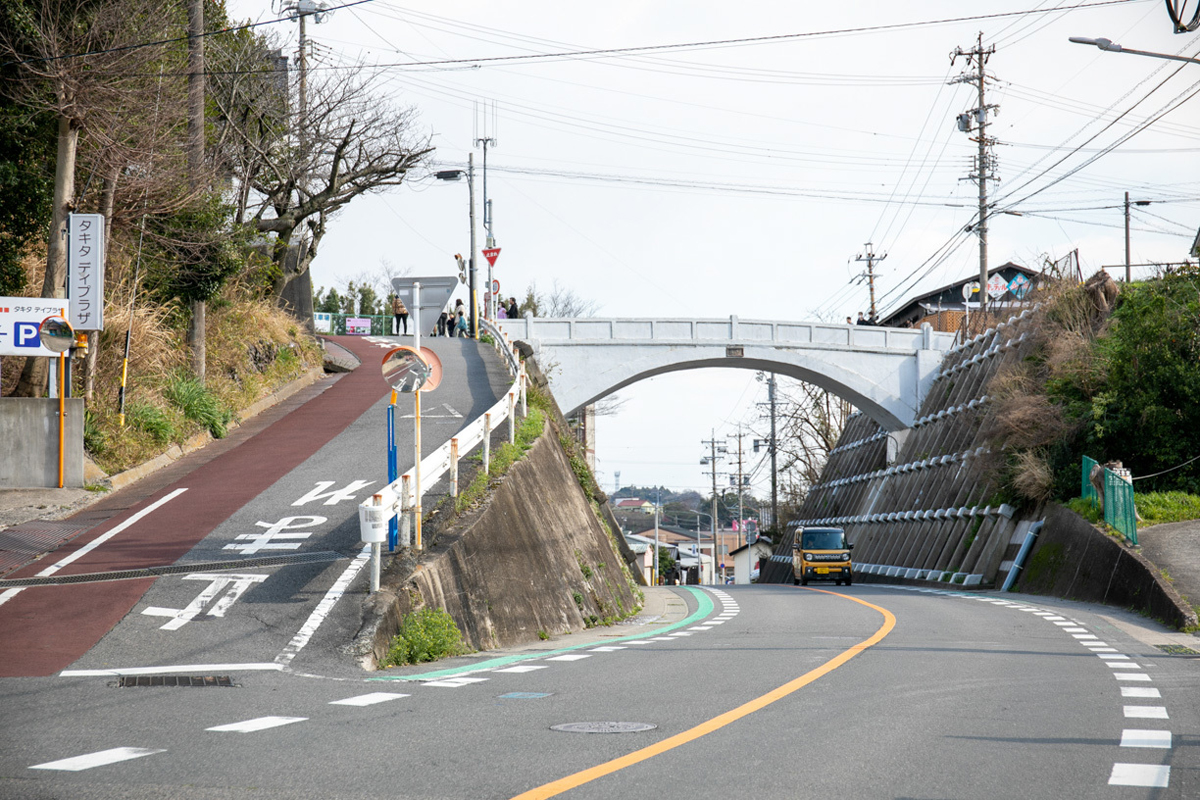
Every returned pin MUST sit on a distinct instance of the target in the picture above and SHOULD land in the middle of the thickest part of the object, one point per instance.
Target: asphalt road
(771, 692)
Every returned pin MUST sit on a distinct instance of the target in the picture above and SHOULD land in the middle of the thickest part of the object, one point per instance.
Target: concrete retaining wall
(1073, 559)
(29, 443)
(534, 558)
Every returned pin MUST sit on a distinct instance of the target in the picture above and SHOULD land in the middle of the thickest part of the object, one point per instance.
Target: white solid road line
(169, 670)
(112, 756)
(323, 608)
(92, 545)
(257, 724)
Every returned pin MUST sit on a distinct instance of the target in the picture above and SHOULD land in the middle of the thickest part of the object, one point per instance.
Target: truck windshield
(822, 540)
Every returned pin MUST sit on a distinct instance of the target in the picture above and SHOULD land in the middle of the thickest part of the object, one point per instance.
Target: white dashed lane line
(113, 756)
(1123, 774)
(368, 699)
(119, 754)
(256, 724)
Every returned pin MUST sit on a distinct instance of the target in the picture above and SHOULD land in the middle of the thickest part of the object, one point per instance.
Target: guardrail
(401, 499)
(728, 330)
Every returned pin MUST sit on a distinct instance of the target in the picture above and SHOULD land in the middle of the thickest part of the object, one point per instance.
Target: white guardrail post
(512, 418)
(487, 441)
(454, 467)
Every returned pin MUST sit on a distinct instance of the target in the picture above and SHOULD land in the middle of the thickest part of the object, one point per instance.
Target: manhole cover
(603, 727)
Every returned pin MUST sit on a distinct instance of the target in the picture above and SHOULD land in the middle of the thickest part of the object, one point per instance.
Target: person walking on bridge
(401, 314)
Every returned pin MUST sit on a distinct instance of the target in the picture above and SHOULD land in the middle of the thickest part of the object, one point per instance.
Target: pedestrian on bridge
(460, 327)
(401, 314)
(442, 324)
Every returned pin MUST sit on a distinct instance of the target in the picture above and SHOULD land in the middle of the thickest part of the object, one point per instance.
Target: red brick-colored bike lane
(44, 629)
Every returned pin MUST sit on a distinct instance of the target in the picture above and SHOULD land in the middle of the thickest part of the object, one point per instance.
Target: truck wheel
(804, 581)
(837, 582)
(849, 581)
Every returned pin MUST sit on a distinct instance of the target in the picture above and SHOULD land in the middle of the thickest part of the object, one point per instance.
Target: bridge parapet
(729, 330)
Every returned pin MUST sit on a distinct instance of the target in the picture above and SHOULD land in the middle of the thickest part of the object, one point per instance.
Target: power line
(159, 42)
(630, 51)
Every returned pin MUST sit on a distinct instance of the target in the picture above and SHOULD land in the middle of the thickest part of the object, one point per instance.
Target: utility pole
(871, 260)
(1128, 271)
(772, 449)
(489, 239)
(474, 297)
(196, 326)
(976, 121)
(741, 513)
(717, 451)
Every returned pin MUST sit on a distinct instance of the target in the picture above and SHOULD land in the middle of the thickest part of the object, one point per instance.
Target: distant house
(634, 504)
(1010, 288)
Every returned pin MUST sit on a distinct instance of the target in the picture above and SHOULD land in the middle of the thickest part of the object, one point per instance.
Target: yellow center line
(561, 785)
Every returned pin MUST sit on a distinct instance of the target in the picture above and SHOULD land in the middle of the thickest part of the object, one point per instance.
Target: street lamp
(1112, 47)
(454, 175)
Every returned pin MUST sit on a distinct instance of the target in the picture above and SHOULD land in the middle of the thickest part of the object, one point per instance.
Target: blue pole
(393, 530)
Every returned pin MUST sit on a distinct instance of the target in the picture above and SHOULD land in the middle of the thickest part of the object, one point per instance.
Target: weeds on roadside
(425, 635)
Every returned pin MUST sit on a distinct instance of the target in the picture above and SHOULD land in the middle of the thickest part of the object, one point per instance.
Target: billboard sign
(20, 318)
(85, 271)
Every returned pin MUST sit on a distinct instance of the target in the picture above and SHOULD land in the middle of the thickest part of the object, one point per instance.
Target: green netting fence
(1118, 505)
(1086, 490)
(1118, 499)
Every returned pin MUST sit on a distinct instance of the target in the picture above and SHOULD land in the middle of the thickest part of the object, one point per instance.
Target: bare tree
(559, 302)
(811, 421)
(75, 59)
(293, 178)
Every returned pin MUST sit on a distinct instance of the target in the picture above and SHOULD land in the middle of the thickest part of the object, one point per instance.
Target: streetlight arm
(1112, 47)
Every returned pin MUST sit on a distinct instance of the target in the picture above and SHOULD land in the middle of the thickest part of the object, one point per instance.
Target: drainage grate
(175, 569)
(603, 727)
(1177, 650)
(175, 680)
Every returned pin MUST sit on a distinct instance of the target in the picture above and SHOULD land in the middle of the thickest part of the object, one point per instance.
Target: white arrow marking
(182, 616)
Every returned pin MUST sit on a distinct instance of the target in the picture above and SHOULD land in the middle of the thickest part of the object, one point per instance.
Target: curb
(176, 452)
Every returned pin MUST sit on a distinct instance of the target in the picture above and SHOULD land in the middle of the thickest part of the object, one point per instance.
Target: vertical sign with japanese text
(85, 271)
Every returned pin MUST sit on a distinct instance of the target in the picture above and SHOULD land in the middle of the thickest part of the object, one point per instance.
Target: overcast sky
(746, 177)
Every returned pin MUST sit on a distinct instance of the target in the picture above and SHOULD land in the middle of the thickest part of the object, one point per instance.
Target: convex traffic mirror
(406, 370)
(56, 334)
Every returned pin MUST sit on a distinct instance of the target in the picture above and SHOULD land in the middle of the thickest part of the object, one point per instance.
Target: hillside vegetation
(1114, 378)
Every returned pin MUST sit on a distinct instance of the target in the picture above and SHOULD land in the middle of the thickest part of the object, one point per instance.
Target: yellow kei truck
(821, 554)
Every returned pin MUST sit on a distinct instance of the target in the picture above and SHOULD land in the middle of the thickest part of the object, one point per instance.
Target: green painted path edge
(704, 605)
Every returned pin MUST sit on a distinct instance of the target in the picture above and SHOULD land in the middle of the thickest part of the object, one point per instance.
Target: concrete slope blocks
(919, 504)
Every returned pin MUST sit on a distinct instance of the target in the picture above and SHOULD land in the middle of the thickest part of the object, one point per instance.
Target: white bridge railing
(727, 330)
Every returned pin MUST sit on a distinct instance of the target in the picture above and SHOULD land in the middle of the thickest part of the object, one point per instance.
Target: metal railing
(399, 498)
(1119, 510)
(1086, 490)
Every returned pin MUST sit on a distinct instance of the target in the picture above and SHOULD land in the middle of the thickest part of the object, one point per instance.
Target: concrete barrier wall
(1072, 559)
(29, 443)
(535, 558)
